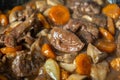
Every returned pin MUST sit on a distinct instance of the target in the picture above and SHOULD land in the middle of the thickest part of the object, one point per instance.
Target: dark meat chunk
(65, 41)
(118, 45)
(89, 32)
(10, 40)
(99, 20)
(73, 25)
(26, 64)
(86, 7)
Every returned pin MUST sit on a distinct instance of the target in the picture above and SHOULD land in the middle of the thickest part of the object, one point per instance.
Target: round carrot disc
(59, 14)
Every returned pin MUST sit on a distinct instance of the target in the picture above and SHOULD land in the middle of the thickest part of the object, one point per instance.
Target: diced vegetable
(47, 51)
(76, 77)
(64, 74)
(106, 34)
(99, 71)
(110, 25)
(115, 64)
(83, 64)
(68, 67)
(112, 10)
(59, 14)
(95, 54)
(43, 20)
(6, 50)
(52, 68)
(54, 2)
(16, 8)
(3, 20)
(106, 46)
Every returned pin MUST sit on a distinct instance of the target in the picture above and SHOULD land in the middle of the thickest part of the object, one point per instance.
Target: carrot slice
(47, 51)
(83, 64)
(16, 8)
(3, 20)
(59, 14)
(106, 34)
(106, 46)
(112, 10)
(64, 74)
(6, 50)
(43, 20)
(115, 64)
(110, 25)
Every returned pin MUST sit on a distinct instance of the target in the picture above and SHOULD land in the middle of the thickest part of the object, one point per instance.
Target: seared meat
(26, 64)
(88, 32)
(65, 41)
(99, 20)
(85, 7)
(73, 25)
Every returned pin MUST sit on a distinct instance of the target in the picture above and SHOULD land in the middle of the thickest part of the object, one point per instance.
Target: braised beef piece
(73, 25)
(26, 64)
(88, 31)
(99, 20)
(118, 45)
(85, 7)
(65, 41)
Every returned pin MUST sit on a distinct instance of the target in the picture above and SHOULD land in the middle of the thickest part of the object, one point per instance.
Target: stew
(60, 40)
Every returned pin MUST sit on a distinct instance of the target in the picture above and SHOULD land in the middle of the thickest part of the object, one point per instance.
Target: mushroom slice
(68, 67)
(77, 77)
(99, 71)
(95, 54)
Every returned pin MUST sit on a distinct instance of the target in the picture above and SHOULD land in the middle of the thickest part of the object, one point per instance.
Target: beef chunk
(11, 38)
(86, 7)
(118, 45)
(88, 32)
(65, 41)
(73, 25)
(99, 20)
(26, 64)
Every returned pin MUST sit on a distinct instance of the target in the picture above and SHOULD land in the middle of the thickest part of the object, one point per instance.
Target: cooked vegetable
(52, 68)
(43, 20)
(16, 8)
(59, 14)
(106, 34)
(76, 77)
(110, 25)
(106, 46)
(3, 20)
(99, 71)
(83, 64)
(112, 10)
(47, 51)
(68, 67)
(115, 64)
(95, 54)
(6, 50)
(54, 2)
(64, 74)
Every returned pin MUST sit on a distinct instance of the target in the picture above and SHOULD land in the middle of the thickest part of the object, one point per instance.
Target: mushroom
(95, 54)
